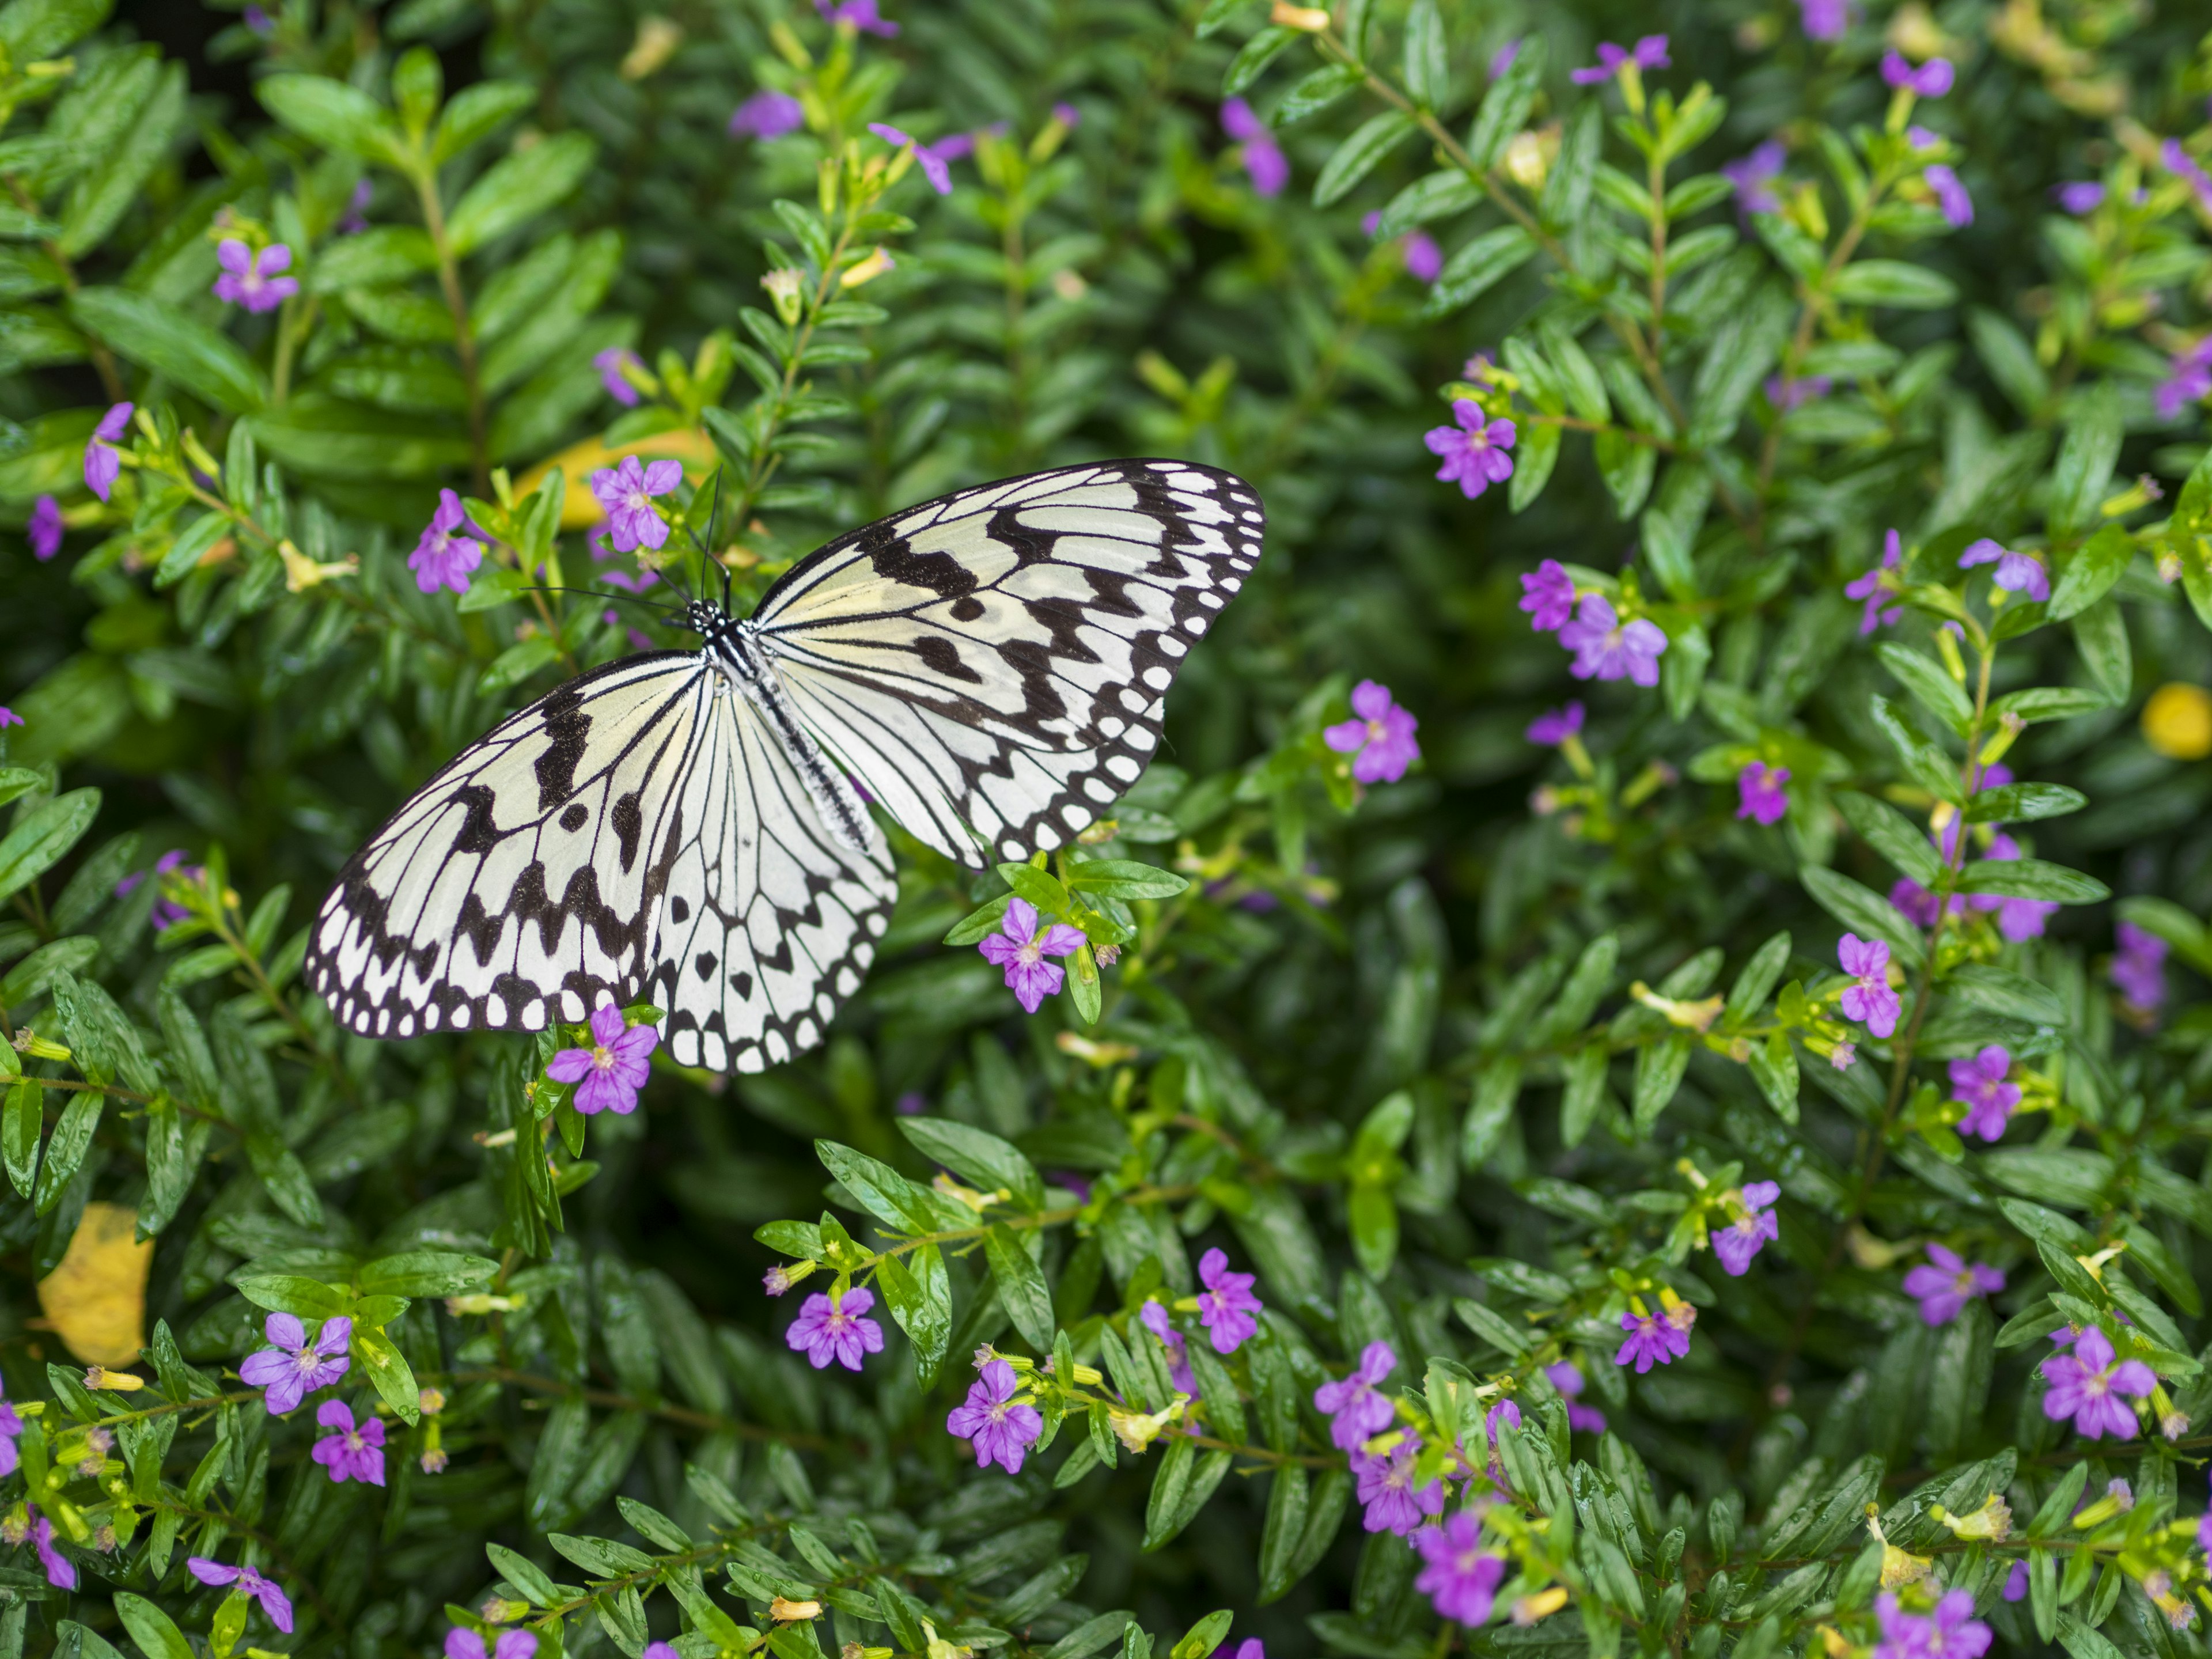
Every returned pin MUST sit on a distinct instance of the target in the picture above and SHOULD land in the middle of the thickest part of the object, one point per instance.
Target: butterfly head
(704, 619)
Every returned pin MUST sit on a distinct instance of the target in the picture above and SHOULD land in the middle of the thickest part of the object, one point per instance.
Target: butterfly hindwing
(992, 665)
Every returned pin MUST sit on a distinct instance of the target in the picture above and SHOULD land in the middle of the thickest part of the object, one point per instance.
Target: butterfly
(692, 829)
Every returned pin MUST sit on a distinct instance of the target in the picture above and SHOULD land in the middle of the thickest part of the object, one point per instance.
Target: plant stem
(465, 344)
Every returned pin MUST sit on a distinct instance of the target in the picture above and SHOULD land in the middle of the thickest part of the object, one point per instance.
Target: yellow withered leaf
(96, 1300)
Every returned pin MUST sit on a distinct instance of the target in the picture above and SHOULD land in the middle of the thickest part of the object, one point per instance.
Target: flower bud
(1529, 1608)
(430, 1402)
(1310, 20)
(434, 1460)
(99, 1377)
(786, 1612)
(867, 271)
(783, 285)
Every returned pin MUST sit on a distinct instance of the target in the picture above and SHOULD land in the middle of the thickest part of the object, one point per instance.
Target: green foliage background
(1416, 1093)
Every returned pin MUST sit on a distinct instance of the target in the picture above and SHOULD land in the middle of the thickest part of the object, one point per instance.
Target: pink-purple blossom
(274, 1601)
(43, 528)
(1379, 738)
(1459, 1577)
(2017, 572)
(1657, 1339)
(1265, 164)
(2139, 968)
(1950, 1632)
(2015, 1584)
(1153, 1316)
(2018, 919)
(166, 913)
(103, 461)
(1879, 586)
(356, 219)
(2085, 1385)
(1758, 792)
(1749, 1229)
(352, 1452)
(462, 1642)
(611, 364)
(1787, 394)
(2079, 197)
(1226, 1307)
(291, 1368)
(11, 1429)
(1824, 20)
(1473, 449)
(8, 717)
(766, 114)
(1394, 1502)
(997, 1428)
(1555, 725)
(1650, 52)
(1947, 1281)
(836, 1328)
(1751, 175)
(1502, 59)
(1607, 649)
(610, 1072)
(1567, 1377)
(1980, 1084)
(1547, 594)
(2188, 380)
(2186, 167)
(444, 556)
(861, 15)
(61, 1571)
(1021, 949)
(934, 160)
(626, 492)
(1931, 80)
(1957, 206)
(1356, 1411)
(254, 280)
(1869, 998)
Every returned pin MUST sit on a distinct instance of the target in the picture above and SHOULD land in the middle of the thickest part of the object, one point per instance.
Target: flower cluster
(1605, 647)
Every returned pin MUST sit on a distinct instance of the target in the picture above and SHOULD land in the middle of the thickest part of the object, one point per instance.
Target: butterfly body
(691, 828)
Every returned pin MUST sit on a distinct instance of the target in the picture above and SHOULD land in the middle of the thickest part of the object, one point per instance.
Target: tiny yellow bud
(1992, 1521)
(794, 1612)
(1542, 1605)
(1311, 20)
(99, 1377)
(656, 43)
(2177, 722)
(1529, 157)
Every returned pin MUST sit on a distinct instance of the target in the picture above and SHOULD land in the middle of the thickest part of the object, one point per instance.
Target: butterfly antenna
(602, 593)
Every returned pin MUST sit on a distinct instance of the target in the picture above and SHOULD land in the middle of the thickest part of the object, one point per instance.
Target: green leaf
(193, 543)
(283, 1177)
(34, 29)
(477, 112)
(977, 1156)
(1473, 271)
(2100, 633)
(1022, 1289)
(1434, 195)
(32, 975)
(1211, 1632)
(334, 116)
(1925, 763)
(1428, 59)
(1315, 92)
(1533, 459)
(379, 255)
(1894, 282)
(1252, 60)
(2090, 573)
(1930, 684)
(880, 1190)
(118, 178)
(66, 1148)
(2084, 462)
(1864, 913)
(43, 836)
(2033, 879)
(1505, 107)
(1117, 878)
(292, 1293)
(1757, 980)
(1358, 155)
(2023, 802)
(204, 361)
(388, 1370)
(1774, 1065)
(1280, 1534)
(152, 1630)
(1584, 1070)
(426, 1273)
(2048, 702)
(1659, 1068)
(517, 188)
(516, 664)
(20, 1128)
(2003, 991)
(919, 1293)
(1890, 833)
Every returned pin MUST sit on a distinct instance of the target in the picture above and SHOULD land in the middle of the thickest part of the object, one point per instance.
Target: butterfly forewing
(990, 666)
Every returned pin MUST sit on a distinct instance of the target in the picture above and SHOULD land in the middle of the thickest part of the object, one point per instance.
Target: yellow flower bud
(2177, 722)
(794, 1612)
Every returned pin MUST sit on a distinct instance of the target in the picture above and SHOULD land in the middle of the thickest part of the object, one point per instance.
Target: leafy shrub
(1702, 1163)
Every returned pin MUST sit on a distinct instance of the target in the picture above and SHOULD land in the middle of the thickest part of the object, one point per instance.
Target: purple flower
(1869, 998)
(2079, 197)
(1750, 176)
(2188, 379)
(1021, 951)
(1650, 52)
(997, 1428)
(1607, 649)
(1980, 1084)
(1456, 1576)
(1931, 80)
(627, 492)
(444, 558)
(1424, 260)
(1567, 1377)
(44, 529)
(1787, 395)
(1950, 1632)
(2087, 1386)
(274, 1601)
(766, 114)
(933, 159)
(611, 364)
(1947, 1281)
(8, 717)
(1067, 115)
(166, 914)
(1473, 451)
(1386, 1486)
(2018, 919)
(1753, 1224)
(1877, 586)
(1923, 138)
(11, 1427)
(912, 1103)
(1950, 195)
(1758, 792)
(1995, 775)
(2139, 967)
(1554, 727)
(1265, 164)
(1548, 596)
(464, 1644)
(103, 462)
(1380, 739)
(1824, 20)
(262, 24)
(861, 15)
(61, 1571)
(1226, 1306)
(352, 1452)
(830, 1328)
(1154, 1318)
(1355, 1412)
(2017, 573)
(1658, 1338)
(2182, 166)
(356, 214)
(610, 1072)
(251, 279)
(2015, 1584)
(290, 1370)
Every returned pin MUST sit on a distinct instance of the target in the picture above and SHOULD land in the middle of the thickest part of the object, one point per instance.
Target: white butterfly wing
(995, 661)
(767, 923)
